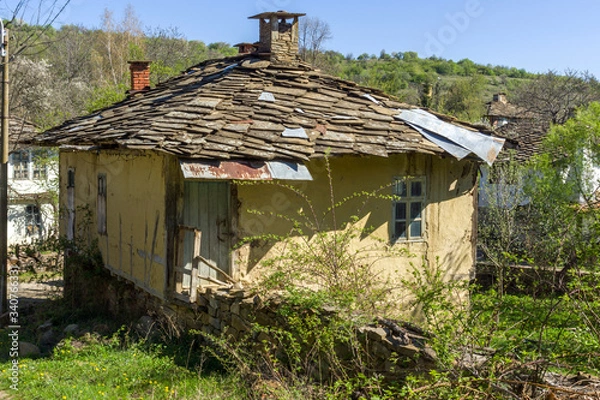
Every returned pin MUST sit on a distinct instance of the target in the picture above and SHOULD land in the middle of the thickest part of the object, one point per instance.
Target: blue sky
(537, 35)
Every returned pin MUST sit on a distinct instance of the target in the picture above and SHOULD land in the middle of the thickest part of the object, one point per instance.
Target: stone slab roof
(500, 109)
(21, 133)
(246, 108)
(525, 136)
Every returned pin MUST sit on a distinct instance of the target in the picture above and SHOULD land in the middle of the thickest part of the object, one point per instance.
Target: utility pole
(4, 117)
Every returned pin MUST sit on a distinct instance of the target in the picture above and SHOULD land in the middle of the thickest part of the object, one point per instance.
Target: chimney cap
(278, 14)
(244, 44)
(500, 97)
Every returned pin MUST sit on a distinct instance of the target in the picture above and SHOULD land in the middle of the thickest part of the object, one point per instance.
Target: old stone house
(162, 171)
(500, 111)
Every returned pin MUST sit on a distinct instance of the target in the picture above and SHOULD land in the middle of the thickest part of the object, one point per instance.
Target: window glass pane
(40, 171)
(401, 188)
(33, 220)
(415, 229)
(415, 210)
(416, 189)
(409, 210)
(400, 210)
(20, 163)
(401, 229)
(40, 158)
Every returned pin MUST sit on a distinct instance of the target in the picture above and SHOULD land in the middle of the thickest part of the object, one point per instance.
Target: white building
(32, 181)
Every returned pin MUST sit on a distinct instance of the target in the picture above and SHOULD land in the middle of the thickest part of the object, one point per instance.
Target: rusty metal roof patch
(484, 146)
(244, 170)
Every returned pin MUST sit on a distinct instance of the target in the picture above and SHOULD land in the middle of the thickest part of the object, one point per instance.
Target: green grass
(105, 369)
(550, 327)
(521, 328)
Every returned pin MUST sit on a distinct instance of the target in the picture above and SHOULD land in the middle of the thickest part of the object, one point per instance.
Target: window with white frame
(19, 161)
(409, 208)
(33, 219)
(39, 159)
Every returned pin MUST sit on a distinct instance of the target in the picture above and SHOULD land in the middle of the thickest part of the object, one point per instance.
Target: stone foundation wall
(391, 348)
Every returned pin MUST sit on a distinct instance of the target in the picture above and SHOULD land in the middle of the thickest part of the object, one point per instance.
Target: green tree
(565, 198)
(503, 216)
(462, 98)
(565, 192)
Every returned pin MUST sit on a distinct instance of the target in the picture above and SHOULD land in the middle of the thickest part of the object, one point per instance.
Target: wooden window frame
(20, 161)
(33, 216)
(408, 213)
(39, 164)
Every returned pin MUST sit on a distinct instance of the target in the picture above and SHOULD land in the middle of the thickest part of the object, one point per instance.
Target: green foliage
(105, 96)
(308, 355)
(441, 303)
(503, 221)
(565, 227)
(502, 347)
(555, 231)
(545, 328)
(462, 98)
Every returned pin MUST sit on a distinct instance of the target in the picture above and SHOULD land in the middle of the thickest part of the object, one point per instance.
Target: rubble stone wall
(392, 348)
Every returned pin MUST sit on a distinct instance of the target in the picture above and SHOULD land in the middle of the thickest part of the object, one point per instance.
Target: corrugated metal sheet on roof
(456, 140)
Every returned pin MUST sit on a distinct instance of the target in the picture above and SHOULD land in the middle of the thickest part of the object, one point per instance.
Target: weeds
(326, 261)
(92, 367)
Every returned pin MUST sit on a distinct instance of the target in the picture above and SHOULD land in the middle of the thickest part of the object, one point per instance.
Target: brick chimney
(140, 76)
(279, 36)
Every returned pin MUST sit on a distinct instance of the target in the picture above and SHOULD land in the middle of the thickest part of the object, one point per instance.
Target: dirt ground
(34, 292)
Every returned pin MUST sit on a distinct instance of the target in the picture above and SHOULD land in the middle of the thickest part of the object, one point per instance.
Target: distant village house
(31, 201)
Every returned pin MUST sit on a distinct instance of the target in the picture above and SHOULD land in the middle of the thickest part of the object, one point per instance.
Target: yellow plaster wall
(449, 212)
(135, 244)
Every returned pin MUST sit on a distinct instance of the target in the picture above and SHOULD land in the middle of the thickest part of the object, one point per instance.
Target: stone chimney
(500, 97)
(140, 76)
(246, 48)
(279, 36)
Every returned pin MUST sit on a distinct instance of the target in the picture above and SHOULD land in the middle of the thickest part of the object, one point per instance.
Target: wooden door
(207, 210)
